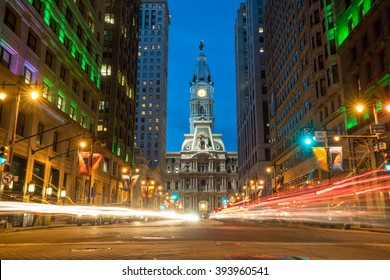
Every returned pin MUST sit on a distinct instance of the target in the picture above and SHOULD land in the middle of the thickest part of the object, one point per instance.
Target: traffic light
(387, 165)
(307, 136)
(175, 197)
(4, 154)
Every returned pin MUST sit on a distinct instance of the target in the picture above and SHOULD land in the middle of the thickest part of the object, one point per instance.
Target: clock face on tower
(201, 92)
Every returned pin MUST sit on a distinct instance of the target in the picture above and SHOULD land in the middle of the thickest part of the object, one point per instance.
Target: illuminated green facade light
(351, 122)
(348, 20)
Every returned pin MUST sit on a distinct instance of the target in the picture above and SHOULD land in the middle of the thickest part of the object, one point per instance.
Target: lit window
(72, 112)
(102, 125)
(60, 102)
(28, 75)
(83, 120)
(106, 70)
(261, 29)
(109, 18)
(45, 91)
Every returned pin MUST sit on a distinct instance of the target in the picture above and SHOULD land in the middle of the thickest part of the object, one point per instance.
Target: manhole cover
(90, 249)
(262, 257)
(228, 244)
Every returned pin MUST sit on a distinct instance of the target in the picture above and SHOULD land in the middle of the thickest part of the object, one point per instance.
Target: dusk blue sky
(193, 21)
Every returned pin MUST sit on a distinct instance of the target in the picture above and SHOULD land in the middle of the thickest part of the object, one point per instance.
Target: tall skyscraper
(203, 175)
(251, 95)
(152, 80)
(119, 67)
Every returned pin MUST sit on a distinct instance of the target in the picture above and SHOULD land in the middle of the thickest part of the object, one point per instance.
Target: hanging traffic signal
(307, 136)
(387, 165)
(4, 154)
(175, 197)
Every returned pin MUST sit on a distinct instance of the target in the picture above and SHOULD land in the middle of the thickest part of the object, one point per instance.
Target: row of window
(147, 127)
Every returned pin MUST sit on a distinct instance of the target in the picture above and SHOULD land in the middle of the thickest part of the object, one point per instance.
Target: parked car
(81, 219)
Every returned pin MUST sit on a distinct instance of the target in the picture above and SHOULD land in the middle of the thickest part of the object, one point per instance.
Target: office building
(152, 80)
(251, 96)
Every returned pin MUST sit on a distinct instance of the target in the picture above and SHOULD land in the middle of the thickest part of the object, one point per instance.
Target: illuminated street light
(360, 108)
(63, 195)
(34, 95)
(31, 189)
(49, 191)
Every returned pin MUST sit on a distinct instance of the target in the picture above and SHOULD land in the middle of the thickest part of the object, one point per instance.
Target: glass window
(5, 57)
(109, 18)
(31, 41)
(10, 19)
(73, 112)
(40, 134)
(28, 75)
(60, 102)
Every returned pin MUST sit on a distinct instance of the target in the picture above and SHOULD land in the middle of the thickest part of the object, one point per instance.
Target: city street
(193, 240)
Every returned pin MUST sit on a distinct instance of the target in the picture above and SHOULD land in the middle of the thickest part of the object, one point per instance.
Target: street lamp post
(90, 173)
(269, 169)
(360, 108)
(148, 187)
(34, 95)
(83, 144)
(131, 184)
(257, 186)
(3, 95)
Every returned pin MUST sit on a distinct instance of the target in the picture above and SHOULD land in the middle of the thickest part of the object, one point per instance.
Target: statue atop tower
(201, 45)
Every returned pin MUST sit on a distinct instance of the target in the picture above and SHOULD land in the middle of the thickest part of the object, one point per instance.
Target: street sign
(6, 179)
(320, 136)
(377, 128)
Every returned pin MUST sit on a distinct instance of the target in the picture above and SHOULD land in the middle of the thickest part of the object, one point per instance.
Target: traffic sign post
(377, 128)
(6, 179)
(320, 136)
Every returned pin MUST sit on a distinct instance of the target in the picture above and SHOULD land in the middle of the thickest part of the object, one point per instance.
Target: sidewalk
(31, 223)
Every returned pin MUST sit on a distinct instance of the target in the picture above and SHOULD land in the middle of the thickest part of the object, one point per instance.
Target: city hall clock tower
(201, 93)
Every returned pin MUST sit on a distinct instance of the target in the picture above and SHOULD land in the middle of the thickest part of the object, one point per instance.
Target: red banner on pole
(85, 162)
(126, 184)
(144, 191)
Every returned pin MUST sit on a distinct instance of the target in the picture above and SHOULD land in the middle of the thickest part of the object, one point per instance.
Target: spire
(202, 71)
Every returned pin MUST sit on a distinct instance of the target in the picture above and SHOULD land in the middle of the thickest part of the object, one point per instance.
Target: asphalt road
(193, 240)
